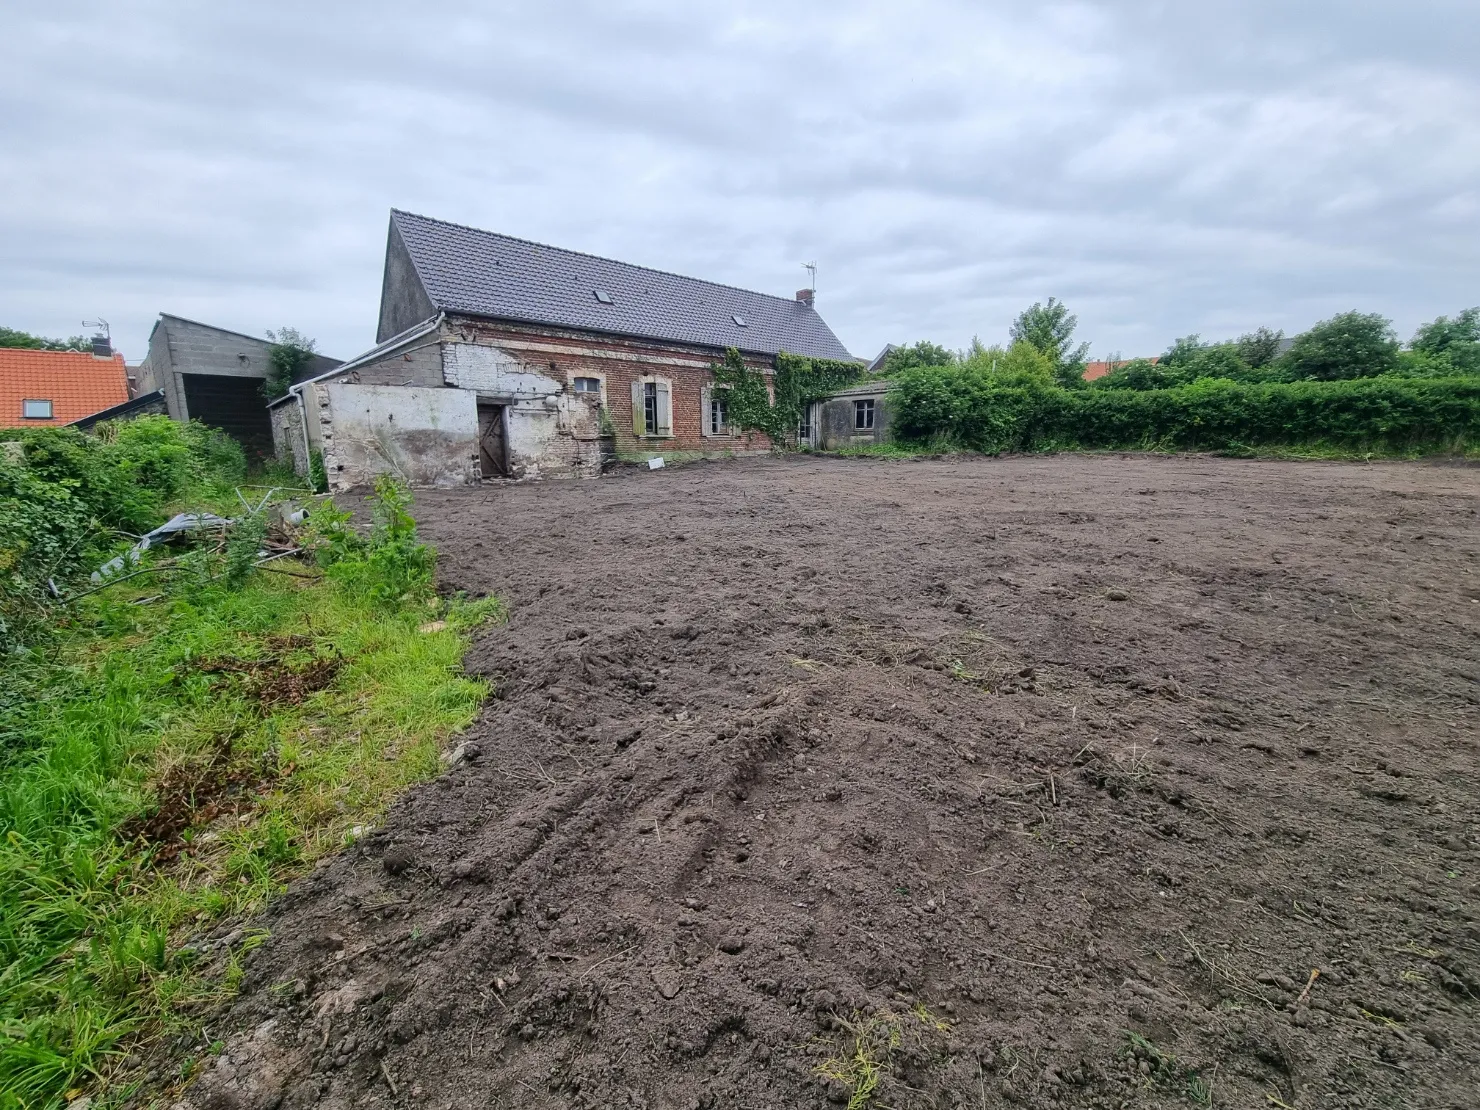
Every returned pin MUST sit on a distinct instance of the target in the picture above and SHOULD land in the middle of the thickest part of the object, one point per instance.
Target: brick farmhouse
(499, 357)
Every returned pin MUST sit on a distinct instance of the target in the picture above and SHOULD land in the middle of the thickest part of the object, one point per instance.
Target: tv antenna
(99, 323)
(811, 268)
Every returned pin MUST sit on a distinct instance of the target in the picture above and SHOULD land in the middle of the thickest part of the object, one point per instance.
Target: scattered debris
(178, 524)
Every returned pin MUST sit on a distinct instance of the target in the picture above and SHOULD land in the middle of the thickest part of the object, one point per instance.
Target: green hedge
(953, 404)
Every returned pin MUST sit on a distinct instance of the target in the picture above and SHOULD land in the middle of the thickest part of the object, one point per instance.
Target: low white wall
(424, 436)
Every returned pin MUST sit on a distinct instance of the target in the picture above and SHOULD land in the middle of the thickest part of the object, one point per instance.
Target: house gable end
(404, 302)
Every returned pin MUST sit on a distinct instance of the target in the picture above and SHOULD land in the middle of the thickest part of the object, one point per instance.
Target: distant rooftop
(57, 387)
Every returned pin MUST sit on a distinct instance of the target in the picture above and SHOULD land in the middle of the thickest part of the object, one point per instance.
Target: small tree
(1260, 348)
(1352, 345)
(1050, 328)
(923, 353)
(1183, 351)
(287, 358)
(1456, 342)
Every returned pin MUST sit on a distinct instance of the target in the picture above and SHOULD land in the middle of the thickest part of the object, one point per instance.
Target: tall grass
(94, 920)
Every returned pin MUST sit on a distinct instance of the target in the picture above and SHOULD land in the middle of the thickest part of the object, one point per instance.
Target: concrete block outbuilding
(215, 376)
(854, 417)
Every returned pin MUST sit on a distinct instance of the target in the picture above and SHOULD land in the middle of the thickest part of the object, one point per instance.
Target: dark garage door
(236, 406)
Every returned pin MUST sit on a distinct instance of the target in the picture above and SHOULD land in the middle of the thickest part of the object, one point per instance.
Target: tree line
(1347, 346)
(1345, 385)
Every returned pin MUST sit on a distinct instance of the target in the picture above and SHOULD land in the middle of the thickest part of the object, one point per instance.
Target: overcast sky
(1165, 168)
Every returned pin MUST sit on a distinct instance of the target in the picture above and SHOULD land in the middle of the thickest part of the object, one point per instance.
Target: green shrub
(923, 353)
(1352, 345)
(1452, 344)
(390, 566)
(1142, 373)
(288, 356)
(1260, 347)
(1022, 363)
(955, 405)
(318, 474)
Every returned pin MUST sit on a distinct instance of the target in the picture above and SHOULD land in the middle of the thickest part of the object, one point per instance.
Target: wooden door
(493, 450)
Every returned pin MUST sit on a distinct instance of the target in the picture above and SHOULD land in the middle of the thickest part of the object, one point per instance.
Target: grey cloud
(1167, 168)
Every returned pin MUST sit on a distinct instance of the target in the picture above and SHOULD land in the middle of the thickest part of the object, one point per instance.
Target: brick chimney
(804, 296)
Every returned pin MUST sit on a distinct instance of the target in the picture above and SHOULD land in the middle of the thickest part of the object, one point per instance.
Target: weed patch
(873, 1044)
(170, 765)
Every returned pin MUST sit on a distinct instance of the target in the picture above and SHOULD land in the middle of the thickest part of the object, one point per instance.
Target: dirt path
(980, 763)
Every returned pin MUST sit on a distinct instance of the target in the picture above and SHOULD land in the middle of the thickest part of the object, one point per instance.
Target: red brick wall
(566, 355)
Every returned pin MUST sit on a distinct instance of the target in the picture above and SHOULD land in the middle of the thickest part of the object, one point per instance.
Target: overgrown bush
(1352, 345)
(288, 356)
(69, 500)
(1142, 373)
(922, 353)
(961, 406)
(1449, 344)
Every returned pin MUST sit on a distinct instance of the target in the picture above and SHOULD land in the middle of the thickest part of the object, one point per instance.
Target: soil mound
(1084, 781)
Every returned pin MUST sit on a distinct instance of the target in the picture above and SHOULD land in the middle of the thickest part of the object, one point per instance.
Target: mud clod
(397, 860)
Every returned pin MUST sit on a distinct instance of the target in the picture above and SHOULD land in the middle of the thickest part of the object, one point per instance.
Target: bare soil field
(1043, 782)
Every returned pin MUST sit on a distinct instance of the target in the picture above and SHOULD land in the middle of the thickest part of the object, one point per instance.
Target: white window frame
(599, 379)
(859, 409)
(27, 414)
(707, 397)
(806, 427)
(706, 400)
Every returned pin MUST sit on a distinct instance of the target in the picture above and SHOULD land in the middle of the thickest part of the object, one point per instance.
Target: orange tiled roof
(1093, 370)
(76, 384)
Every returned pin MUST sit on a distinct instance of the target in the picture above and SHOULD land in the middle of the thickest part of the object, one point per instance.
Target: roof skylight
(740, 321)
(602, 296)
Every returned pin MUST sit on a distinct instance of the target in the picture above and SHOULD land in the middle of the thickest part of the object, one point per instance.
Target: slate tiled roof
(76, 384)
(485, 274)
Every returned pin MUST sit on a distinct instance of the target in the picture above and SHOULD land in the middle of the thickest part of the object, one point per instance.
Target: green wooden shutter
(639, 419)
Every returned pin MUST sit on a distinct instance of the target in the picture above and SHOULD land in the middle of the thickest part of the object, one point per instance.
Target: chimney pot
(804, 296)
